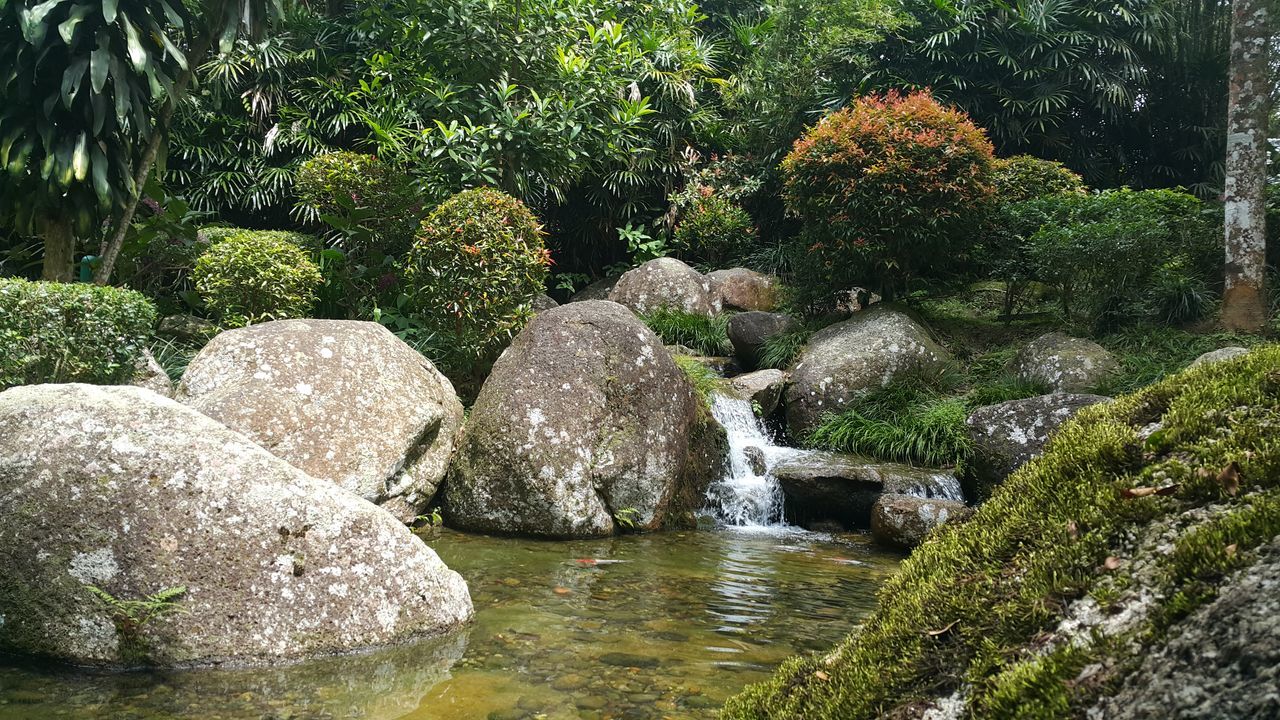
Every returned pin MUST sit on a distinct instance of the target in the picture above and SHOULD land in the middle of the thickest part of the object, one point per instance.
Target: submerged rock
(852, 358)
(1007, 435)
(830, 487)
(743, 289)
(121, 489)
(342, 400)
(586, 426)
(666, 283)
(1064, 363)
(749, 331)
(762, 387)
(903, 521)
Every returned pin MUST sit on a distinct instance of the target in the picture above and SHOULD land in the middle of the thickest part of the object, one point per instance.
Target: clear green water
(667, 625)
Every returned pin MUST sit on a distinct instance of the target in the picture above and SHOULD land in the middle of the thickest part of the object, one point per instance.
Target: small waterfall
(749, 496)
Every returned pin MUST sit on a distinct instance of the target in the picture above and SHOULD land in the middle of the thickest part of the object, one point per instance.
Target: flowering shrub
(473, 272)
(714, 229)
(885, 188)
(253, 275)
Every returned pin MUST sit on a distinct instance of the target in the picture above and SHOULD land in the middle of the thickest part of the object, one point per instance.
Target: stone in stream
(749, 331)
(341, 400)
(903, 521)
(124, 490)
(1064, 363)
(666, 283)
(823, 487)
(1007, 435)
(763, 388)
(847, 360)
(743, 289)
(586, 426)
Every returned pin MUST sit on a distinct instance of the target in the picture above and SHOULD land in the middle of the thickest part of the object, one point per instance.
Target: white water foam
(749, 496)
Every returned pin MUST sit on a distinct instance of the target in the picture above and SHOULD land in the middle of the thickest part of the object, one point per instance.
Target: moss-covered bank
(1082, 562)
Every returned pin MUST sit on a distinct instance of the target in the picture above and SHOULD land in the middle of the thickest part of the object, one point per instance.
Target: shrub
(884, 188)
(253, 275)
(372, 205)
(707, 335)
(55, 332)
(1023, 177)
(474, 269)
(1122, 256)
(715, 230)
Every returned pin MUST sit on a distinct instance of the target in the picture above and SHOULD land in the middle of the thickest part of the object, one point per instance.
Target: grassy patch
(1149, 354)
(971, 604)
(781, 350)
(696, 332)
(174, 356)
(704, 379)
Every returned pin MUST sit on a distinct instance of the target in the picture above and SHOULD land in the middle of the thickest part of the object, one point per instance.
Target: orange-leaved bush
(888, 189)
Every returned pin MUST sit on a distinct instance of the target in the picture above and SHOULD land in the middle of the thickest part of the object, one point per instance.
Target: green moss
(970, 606)
(704, 379)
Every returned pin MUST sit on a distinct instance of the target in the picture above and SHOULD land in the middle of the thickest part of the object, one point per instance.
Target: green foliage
(1149, 354)
(250, 276)
(705, 381)
(707, 335)
(374, 207)
(781, 350)
(159, 251)
(476, 266)
(887, 188)
(57, 333)
(1023, 177)
(714, 230)
(1123, 256)
(970, 607)
(130, 616)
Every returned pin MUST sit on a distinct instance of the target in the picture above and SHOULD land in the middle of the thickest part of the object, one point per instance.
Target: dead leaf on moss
(942, 631)
(1111, 563)
(1137, 492)
(1168, 489)
(821, 675)
(1229, 478)
(1073, 530)
(1231, 549)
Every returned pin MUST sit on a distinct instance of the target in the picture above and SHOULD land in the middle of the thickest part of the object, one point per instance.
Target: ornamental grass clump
(70, 332)
(250, 276)
(471, 277)
(1142, 506)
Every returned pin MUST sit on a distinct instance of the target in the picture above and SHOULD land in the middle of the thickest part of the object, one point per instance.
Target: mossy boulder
(342, 400)
(749, 331)
(120, 489)
(666, 283)
(743, 289)
(1088, 560)
(585, 427)
(762, 387)
(904, 521)
(1065, 363)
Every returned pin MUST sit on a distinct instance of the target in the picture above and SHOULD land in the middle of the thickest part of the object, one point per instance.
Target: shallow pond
(667, 625)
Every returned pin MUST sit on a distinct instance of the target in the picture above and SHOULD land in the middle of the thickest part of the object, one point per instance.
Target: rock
(585, 426)
(341, 400)
(148, 374)
(187, 327)
(903, 521)
(762, 387)
(756, 460)
(1221, 662)
(823, 487)
(666, 283)
(1007, 435)
(743, 289)
(598, 290)
(128, 491)
(852, 358)
(1064, 363)
(1226, 353)
(748, 332)
(542, 302)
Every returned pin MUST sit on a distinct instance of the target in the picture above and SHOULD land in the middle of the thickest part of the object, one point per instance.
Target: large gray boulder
(820, 488)
(121, 489)
(585, 427)
(903, 521)
(743, 289)
(749, 331)
(666, 283)
(762, 387)
(850, 359)
(598, 290)
(1007, 435)
(1065, 363)
(344, 401)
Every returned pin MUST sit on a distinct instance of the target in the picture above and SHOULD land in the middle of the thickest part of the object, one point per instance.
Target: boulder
(341, 400)
(598, 290)
(188, 328)
(666, 283)
(903, 521)
(1007, 435)
(748, 332)
(762, 387)
(585, 427)
(1064, 363)
(1226, 353)
(743, 289)
(823, 487)
(120, 489)
(852, 358)
(542, 302)
(148, 374)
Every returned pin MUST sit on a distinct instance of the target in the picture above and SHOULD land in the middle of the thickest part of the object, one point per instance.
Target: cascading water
(749, 496)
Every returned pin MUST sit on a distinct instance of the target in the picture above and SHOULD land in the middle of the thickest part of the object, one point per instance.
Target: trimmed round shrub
(888, 189)
(1023, 177)
(70, 332)
(373, 204)
(715, 229)
(250, 276)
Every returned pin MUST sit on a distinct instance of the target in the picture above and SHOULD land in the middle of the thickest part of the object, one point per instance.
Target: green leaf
(137, 53)
(33, 24)
(101, 187)
(67, 29)
(71, 78)
(109, 10)
(80, 158)
(99, 63)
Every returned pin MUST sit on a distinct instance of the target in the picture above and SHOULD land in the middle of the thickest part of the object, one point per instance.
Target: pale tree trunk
(59, 249)
(1244, 303)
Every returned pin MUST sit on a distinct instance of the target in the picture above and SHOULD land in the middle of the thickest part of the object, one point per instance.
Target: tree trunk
(1244, 305)
(59, 249)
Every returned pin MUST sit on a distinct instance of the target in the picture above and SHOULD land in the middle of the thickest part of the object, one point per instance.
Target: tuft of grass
(781, 350)
(704, 379)
(708, 336)
(173, 355)
(978, 604)
(1004, 388)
